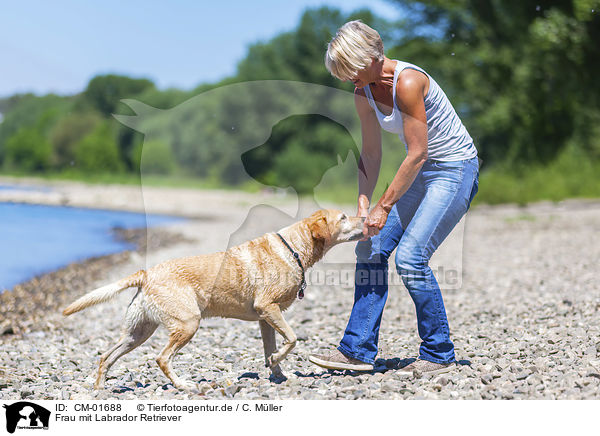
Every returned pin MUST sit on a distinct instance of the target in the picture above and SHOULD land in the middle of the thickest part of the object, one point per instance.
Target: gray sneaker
(335, 359)
(424, 367)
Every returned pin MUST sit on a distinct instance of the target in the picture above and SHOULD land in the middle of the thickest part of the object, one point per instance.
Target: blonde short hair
(352, 48)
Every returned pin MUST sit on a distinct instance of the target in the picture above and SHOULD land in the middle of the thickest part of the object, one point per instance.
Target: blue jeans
(417, 224)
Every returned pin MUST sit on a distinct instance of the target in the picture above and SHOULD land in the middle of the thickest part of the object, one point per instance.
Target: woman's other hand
(375, 222)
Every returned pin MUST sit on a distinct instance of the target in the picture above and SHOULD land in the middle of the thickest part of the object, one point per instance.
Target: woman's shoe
(335, 359)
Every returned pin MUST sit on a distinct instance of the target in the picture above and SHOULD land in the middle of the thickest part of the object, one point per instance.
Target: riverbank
(25, 307)
(524, 316)
(184, 202)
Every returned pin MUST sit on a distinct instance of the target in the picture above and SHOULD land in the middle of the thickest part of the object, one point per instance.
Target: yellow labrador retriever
(254, 281)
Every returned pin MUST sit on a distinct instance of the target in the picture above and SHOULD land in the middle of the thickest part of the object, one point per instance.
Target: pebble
(515, 337)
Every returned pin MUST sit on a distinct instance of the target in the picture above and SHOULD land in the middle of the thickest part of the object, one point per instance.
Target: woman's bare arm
(410, 92)
(370, 156)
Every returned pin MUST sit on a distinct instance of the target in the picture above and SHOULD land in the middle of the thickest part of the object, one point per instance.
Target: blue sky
(57, 46)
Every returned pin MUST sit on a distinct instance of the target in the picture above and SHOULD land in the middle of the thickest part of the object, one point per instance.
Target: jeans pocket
(474, 189)
(449, 165)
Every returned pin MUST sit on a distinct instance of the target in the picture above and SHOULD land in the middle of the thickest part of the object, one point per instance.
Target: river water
(36, 239)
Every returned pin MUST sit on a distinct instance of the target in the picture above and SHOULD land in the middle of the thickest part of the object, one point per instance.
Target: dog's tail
(106, 293)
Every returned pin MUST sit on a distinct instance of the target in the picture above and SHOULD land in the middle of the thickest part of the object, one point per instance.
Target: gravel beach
(524, 317)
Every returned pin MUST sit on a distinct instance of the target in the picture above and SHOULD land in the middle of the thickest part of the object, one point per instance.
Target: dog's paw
(90, 380)
(188, 386)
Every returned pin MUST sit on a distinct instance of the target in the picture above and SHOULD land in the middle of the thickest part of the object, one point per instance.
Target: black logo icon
(26, 415)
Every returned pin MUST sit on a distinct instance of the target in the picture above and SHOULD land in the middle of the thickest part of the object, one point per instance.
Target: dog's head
(332, 227)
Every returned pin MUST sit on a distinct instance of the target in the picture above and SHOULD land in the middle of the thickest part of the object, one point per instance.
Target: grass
(571, 175)
(171, 181)
(520, 217)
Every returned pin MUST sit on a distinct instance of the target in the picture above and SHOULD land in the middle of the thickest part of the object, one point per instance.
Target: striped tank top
(447, 137)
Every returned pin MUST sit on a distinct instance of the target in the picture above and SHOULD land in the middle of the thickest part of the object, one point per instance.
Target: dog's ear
(318, 226)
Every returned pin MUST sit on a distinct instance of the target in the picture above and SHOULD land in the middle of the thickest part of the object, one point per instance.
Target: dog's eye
(343, 217)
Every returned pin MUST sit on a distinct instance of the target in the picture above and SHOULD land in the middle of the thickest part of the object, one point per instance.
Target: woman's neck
(384, 72)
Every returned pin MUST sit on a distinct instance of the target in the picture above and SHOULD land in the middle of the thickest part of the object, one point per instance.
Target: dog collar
(297, 257)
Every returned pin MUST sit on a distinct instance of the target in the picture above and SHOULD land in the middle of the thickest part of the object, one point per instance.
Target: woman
(431, 191)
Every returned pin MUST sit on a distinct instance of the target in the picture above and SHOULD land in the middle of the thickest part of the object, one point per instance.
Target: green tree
(299, 152)
(28, 150)
(103, 93)
(67, 133)
(299, 54)
(30, 112)
(519, 73)
(155, 157)
(98, 151)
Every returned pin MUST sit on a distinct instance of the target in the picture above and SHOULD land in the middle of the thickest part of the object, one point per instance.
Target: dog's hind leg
(271, 313)
(180, 333)
(270, 345)
(138, 327)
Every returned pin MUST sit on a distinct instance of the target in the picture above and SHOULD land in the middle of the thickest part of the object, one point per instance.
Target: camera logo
(26, 415)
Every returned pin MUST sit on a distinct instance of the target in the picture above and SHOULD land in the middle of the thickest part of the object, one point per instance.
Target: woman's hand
(374, 222)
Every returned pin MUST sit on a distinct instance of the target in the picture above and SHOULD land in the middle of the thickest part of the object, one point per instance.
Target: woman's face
(362, 77)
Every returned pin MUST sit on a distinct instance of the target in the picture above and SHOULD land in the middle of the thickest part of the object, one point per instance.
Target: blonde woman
(431, 191)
